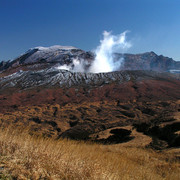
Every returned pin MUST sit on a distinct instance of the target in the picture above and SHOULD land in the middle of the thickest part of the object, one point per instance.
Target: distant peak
(149, 53)
(153, 53)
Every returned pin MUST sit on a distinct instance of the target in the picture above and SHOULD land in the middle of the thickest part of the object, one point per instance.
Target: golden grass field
(26, 157)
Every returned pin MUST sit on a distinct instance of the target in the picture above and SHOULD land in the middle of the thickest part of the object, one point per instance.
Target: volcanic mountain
(41, 57)
(141, 99)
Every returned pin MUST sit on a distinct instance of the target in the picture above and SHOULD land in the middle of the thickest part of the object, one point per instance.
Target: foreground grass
(25, 157)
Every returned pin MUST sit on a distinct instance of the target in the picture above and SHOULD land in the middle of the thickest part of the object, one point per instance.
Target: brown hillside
(99, 113)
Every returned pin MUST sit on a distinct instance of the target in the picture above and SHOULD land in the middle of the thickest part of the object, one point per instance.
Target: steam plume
(76, 66)
(104, 61)
(104, 55)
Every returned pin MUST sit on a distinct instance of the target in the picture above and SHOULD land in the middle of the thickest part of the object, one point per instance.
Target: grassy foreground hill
(28, 157)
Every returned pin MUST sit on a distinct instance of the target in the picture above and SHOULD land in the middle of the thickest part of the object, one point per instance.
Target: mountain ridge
(46, 57)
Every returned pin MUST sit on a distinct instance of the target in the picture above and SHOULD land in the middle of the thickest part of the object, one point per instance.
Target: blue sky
(154, 25)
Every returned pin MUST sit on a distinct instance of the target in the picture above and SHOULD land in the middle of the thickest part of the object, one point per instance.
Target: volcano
(55, 56)
(42, 90)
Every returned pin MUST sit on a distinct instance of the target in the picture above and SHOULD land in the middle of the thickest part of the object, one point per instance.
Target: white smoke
(104, 60)
(79, 65)
(64, 67)
(76, 66)
(104, 55)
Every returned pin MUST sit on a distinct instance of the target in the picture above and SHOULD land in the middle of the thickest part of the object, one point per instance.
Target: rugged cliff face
(112, 107)
(149, 61)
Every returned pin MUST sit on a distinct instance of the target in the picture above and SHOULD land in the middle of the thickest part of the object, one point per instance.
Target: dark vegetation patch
(55, 111)
(73, 117)
(148, 111)
(36, 120)
(164, 104)
(120, 132)
(117, 136)
(120, 117)
(80, 132)
(160, 134)
(127, 113)
(73, 123)
(58, 129)
(98, 110)
(135, 87)
(14, 106)
(124, 106)
(52, 123)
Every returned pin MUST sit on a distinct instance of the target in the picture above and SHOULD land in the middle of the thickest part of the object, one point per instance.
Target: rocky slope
(63, 78)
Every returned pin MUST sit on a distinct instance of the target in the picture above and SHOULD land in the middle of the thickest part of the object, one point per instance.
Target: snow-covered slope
(48, 54)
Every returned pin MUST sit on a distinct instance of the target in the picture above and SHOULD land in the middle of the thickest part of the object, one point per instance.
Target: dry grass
(25, 157)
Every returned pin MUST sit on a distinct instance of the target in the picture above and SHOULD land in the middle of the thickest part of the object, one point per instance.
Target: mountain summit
(45, 57)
